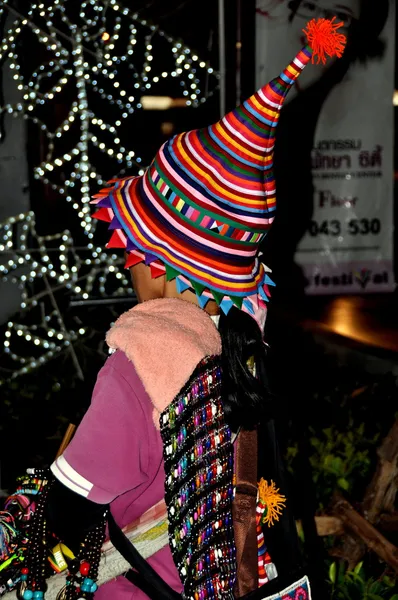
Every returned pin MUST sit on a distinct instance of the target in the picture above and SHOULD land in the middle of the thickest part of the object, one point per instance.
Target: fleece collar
(165, 339)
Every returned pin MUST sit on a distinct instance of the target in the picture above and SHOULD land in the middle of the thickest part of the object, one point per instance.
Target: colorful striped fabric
(201, 210)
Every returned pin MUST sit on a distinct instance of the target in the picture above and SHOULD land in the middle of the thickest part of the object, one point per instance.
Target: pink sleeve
(107, 456)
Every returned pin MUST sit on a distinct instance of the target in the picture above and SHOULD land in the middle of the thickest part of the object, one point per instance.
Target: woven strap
(142, 575)
(244, 513)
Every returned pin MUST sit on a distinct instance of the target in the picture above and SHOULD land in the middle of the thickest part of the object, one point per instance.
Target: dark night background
(336, 396)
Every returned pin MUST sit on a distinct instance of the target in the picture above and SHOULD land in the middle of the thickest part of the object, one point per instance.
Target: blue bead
(24, 577)
(27, 595)
(38, 594)
(87, 581)
(85, 588)
(93, 588)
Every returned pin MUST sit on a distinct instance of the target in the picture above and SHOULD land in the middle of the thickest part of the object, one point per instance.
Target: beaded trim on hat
(198, 457)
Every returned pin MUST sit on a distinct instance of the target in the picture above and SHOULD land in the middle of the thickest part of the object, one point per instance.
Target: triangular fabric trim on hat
(131, 247)
(171, 273)
(157, 269)
(182, 285)
(115, 224)
(203, 299)
(134, 258)
(268, 280)
(150, 258)
(118, 240)
(103, 214)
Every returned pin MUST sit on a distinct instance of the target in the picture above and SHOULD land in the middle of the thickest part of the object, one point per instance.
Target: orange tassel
(325, 39)
(270, 499)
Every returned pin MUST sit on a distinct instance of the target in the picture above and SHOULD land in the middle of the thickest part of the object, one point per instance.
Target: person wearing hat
(186, 381)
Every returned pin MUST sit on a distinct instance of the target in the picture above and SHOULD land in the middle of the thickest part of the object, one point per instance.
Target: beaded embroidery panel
(198, 456)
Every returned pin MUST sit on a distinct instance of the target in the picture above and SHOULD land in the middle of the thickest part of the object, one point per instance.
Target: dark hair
(365, 33)
(247, 399)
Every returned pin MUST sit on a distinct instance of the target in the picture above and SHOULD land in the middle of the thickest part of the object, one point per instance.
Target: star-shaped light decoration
(97, 59)
(41, 267)
(97, 54)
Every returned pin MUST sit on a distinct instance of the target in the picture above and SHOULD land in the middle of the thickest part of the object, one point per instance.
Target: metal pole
(238, 81)
(221, 45)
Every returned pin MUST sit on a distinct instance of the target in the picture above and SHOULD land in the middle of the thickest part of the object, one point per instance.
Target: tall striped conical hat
(200, 211)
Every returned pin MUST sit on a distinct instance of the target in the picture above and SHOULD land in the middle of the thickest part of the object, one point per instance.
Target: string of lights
(25, 266)
(98, 59)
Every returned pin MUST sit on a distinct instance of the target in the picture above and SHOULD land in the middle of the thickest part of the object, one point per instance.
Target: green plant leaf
(332, 572)
(375, 587)
(358, 568)
(343, 483)
(337, 465)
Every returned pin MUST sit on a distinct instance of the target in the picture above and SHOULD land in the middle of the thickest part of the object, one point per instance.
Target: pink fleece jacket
(116, 453)
(165, 340)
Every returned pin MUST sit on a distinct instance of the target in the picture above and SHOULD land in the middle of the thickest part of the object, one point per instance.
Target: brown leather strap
(244, 513)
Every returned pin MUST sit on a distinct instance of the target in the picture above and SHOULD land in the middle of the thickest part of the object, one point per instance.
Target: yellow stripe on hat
(262, 109)
(180, 204)
(293, 70)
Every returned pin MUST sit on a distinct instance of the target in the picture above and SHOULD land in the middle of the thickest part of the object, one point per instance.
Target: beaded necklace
(34, 546)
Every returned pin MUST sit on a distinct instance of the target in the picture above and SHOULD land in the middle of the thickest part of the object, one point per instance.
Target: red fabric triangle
(133, 259)
(117, 240)
(103, 214)
(157, 270)
(266, 290)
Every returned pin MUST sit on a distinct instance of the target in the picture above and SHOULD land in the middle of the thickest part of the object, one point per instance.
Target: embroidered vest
(198, 456)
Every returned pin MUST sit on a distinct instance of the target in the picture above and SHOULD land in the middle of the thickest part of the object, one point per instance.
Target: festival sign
(347, 241)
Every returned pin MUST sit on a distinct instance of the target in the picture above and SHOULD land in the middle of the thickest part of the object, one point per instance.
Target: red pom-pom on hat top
(325, 39)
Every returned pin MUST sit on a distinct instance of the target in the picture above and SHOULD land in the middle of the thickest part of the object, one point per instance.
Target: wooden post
(67, 438)
(379, 497)
(363, 530)
(381, 493)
